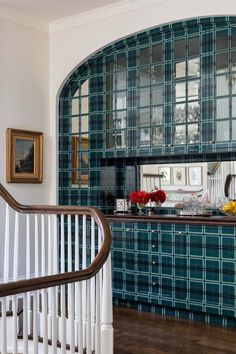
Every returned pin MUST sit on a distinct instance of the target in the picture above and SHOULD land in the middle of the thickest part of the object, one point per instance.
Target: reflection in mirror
(80, 161)
(121, 80)
(144, 116)
(193, 133)
(121, 100)
(157, 74)
(222, 108)
(193, 111)
(222, 130)
(193, 46)
(84, 105)
(180, 91)
(84, 124)
(179, 48)
(193, 89)
(84, 88)
(203, 180)
(145, 96)
(144, 56)
(222, 63)
(194, 67)
(157, 115)
(157, 136)
(180, 114)
(222, 40)
(180, 134)
(222, 85)
(144, 77)
(180, 69)
(157, 53)
(157, 95)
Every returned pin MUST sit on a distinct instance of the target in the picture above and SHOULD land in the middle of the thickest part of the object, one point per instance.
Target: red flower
(140, 197)
(158, 196)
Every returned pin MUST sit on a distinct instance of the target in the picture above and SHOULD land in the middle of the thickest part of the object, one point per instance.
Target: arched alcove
(164, 94)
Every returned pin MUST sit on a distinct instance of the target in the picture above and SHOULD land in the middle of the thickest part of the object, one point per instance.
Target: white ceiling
(52, 10)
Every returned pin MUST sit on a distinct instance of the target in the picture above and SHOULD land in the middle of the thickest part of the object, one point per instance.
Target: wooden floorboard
(144, 333)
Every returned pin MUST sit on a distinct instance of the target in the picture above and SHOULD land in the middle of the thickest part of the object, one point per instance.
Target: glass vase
(140, 207)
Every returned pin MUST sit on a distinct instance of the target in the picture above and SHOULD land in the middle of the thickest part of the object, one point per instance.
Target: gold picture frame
(24, 157)
(79, 144)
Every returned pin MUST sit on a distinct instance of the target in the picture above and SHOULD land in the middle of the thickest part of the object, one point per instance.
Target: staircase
(63, 304)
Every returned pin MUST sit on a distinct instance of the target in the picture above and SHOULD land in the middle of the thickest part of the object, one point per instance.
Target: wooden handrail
(33, 284)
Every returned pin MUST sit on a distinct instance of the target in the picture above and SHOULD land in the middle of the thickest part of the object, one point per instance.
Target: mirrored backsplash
(204, 180)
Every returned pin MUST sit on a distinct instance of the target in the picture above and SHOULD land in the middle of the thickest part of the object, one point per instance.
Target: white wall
(71, 46)
(24, 98)
(24, 104)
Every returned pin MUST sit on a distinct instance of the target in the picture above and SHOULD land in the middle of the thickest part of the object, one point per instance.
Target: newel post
(107, 341)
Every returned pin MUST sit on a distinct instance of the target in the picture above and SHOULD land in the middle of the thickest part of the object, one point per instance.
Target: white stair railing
(62, 303)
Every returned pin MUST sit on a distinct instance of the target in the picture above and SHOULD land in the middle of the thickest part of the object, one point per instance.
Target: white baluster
(69, 242)
(62, 244)
(15, 276)
(6, 247)
(107, 316)
(80, 327)
(101, 272)
(50, 263)
(45, 321)
(92, 294)
(88, 332)
(98, 315)
(54, 321)
(36, 269)
(15, 327)
(69, 263)
(36, 246)
(29, 310)
(43, 250)
(63, 320)
(84, 265)
(55, 245)
(76, 284)
(25, 324)
(35, 322)
(71, 294)
(4, 327)
(63, 289)
(55, 256)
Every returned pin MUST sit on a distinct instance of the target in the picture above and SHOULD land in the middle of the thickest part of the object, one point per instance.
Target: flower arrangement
(141, 198)
(158, 197)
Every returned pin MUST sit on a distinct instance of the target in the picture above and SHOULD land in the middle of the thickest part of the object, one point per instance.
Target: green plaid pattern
(184, 270)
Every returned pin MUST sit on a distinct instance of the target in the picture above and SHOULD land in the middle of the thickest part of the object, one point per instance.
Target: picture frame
(166, 172)
(195, 175)
(179, 176)
(24, 156)
(79, 160)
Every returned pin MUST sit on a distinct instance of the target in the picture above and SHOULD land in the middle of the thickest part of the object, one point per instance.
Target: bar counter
(179, 266)
(170, 219)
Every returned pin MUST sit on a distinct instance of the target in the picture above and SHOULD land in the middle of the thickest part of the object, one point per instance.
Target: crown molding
(25, 20)
(100, 13)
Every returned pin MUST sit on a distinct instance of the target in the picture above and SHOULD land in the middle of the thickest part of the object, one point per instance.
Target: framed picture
(24, 156)
(165, 172)
(80, 161)
(195, 175)
(179, 176)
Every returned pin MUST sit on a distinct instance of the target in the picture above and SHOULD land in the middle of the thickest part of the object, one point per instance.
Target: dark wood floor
(144, 333)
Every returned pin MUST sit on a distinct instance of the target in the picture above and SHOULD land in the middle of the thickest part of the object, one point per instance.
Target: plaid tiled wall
(183, 270)
(153, 96)
(123, 107)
